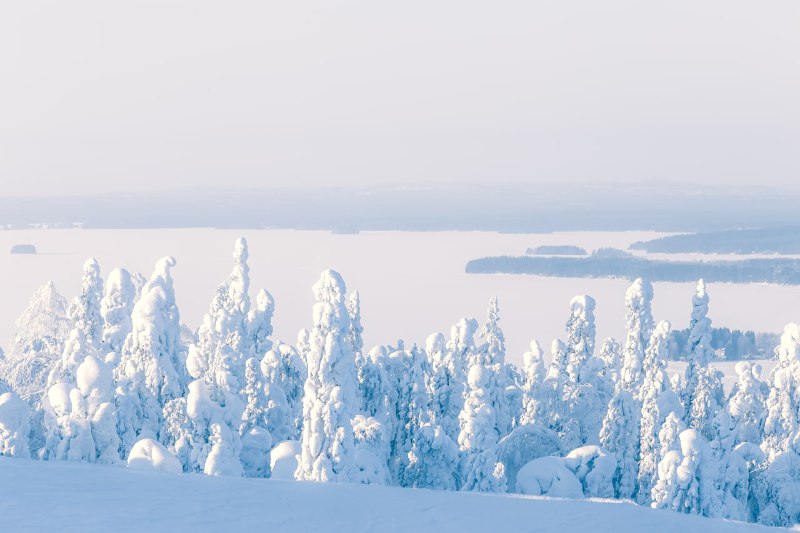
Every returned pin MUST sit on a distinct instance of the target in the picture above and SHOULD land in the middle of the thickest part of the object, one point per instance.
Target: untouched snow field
(61, 496)
(411, 284)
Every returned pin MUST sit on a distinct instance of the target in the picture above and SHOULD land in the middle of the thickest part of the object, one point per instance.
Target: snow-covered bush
(595, 469)
(283, 460)
(523, 445)
(14, 427)
(548, 476)
(148, 454)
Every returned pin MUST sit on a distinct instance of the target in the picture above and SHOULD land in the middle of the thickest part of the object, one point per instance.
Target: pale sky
(99, 96)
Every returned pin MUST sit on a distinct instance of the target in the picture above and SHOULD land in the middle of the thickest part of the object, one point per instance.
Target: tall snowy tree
(445, 383)
(478, 438)
(702, 394)
(493, 354)
(356, 329)
(639, 325)
(783, 403)
(586, 391)
(284, 376)
(611, 355)
(330, 389)
(150, 372)
(746, 405)
(85, 308)
(657, 401)
(116, 308)
(619, 435)
(535, 373)
(259, 324)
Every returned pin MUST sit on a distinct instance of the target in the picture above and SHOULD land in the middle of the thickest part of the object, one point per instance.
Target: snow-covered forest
(114, 377)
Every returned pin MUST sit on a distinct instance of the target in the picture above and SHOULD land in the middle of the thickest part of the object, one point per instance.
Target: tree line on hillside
(114, 372)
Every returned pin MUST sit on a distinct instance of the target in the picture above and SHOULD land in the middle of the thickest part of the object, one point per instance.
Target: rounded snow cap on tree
(240, 251)
(583, 307)
(435, 343)
(639, 293)
(742, 368)
(93, 374)
(265, 301)
(662, 328)
(478, 377)
(789, 349)
(330, 287)
(91, 267)
(534, 355)
(700, 300)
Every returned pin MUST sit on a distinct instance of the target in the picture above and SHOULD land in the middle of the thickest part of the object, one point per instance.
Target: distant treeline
(729, 344)
(564, 249)
(785, 240)
(778, 271)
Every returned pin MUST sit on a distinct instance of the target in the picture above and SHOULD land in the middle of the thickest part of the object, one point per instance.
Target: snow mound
(148, 454)
(283, 460)
(548, 476)
(13, 425)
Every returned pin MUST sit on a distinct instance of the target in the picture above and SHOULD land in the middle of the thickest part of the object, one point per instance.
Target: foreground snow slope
(50, 496)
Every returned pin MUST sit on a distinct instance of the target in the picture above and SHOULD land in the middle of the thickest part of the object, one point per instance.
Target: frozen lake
(411, 284)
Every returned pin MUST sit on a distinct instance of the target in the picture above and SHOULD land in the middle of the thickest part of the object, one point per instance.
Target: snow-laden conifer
(639, 325)
(116, 308)
(259, 324)
(150, 372)
(478, 438)
(330, 389)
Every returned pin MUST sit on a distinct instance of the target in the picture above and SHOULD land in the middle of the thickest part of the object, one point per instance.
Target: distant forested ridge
(778, 271)
(785, 240)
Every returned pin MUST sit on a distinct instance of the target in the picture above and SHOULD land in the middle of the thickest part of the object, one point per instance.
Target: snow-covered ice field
(62, 496)
(411, 284)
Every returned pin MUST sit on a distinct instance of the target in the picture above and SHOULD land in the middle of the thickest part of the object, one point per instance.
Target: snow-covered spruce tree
(284, 377)
(14, 426)
(330, 390)
(639, 326)
(783, 403)
(665, 486)
(259, 324)
(657, 400)
(377, 423)
(116, 308)
(746, 405)
(434, 459)
(222, 344)
(150, 372)
(580, 336)
(445, 383)
(407, 373)
(38, 344)
(534, 376)
(478, 438)
(611, 355)
(586, 391)
(552, 394)
(687, 478)
(619, 435)
(492, 353)
(85, 308)
(462, 344)
(733, 475)
(702, 395)
(217, 362)
(81, 421)
(356, 329)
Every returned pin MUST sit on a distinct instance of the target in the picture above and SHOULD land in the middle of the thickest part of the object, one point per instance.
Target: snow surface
(62, 496)
(411, 284)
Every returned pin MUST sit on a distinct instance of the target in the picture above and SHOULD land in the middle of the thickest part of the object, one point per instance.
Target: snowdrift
(63, 496)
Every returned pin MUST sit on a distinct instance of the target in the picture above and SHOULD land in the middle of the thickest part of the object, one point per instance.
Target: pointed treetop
(240, 251)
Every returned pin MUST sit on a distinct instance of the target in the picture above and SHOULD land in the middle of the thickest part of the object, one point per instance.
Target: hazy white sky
(138, 95)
